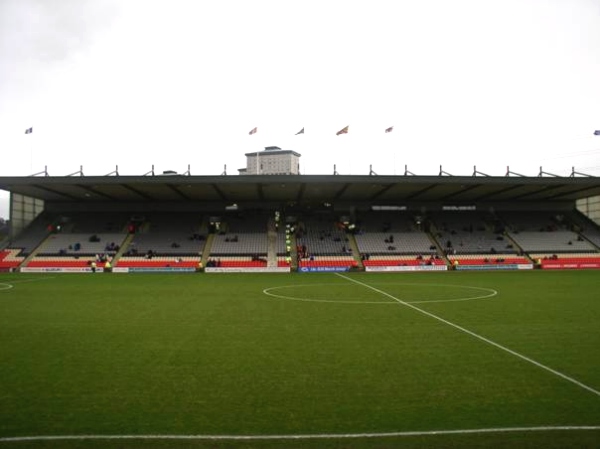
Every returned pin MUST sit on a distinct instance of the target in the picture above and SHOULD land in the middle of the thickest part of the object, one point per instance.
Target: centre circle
(4, 286)
(388, 293)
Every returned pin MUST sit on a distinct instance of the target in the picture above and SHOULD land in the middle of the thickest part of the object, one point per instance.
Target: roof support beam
(56, 192)
(570, 192)
(96, 192)
(459, 192)
(137, 192)
(301, 192)
(178, 192)
(545, 189)
(420, 192)
(380, 192)
(498, 192)
(259, 192)
(340, 192)
(219, 192)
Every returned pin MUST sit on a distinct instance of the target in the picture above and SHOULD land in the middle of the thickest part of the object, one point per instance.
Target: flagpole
(387, 131)
(395, 156)
(299, 150)
(344, 130)
(27, 132)
(251, 133)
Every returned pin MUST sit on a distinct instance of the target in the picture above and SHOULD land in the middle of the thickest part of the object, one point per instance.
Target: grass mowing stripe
(324, 436)
(473, 334)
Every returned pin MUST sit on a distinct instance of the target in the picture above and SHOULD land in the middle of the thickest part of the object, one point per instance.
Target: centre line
(473, 334)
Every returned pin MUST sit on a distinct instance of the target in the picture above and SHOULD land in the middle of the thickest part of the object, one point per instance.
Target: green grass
(199, 354)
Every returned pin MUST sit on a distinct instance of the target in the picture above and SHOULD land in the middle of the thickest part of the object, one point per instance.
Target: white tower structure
(272, 161)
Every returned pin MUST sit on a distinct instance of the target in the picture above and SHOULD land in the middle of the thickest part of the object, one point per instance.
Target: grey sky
(140, 82)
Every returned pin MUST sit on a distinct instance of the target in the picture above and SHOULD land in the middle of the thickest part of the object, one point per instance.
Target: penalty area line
(317, 436)
(479, 337)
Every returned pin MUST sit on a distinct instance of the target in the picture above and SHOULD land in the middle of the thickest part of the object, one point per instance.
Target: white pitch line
(473, 334)
(22, 281)
(6, 286)
(317, 436)
(268, 291)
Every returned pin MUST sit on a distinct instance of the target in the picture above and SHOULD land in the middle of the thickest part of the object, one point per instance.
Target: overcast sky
(491, 83)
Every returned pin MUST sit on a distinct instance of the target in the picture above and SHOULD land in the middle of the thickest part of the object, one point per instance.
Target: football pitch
(332, 360)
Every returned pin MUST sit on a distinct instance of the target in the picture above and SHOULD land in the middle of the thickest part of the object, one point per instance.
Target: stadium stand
(593, 236)
(321, 241)
(469, 232)
(165, 240)
(385, 239)
(475, 238)
(10, 259)
(545, 232)
(346, 238)
(78, 243)
(551, 241)
(241, 240)
(75, 240)
(33, 235)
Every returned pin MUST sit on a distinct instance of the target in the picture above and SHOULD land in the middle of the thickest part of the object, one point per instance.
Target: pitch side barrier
(570, 265)
(206, 270)
(520, 266)
(381, 269)
(323, 269)
(153, 270)
(247, 270)
(397, 268)
(59, 270)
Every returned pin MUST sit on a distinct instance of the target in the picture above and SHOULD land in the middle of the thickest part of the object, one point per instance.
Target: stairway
(35, 251)
(207, 248)
(439, 249)
(355, 251)
(122, 249)
(271, 248)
